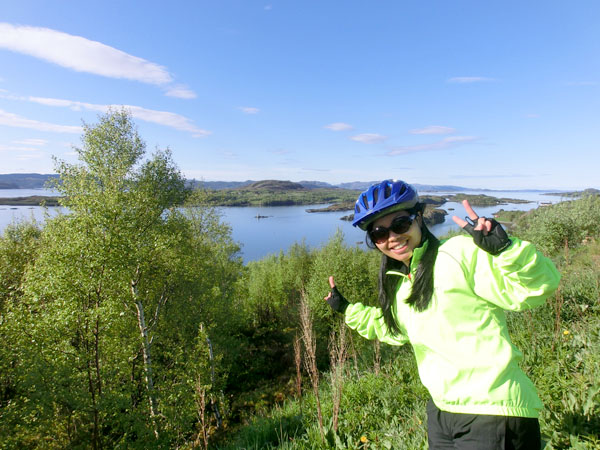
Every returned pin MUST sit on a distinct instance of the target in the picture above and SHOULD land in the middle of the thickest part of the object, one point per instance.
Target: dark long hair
(422, 287)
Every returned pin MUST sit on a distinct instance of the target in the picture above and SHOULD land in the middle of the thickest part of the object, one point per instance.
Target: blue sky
(501, 95)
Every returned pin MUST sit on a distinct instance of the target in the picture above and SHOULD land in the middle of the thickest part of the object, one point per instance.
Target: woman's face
(399, 246)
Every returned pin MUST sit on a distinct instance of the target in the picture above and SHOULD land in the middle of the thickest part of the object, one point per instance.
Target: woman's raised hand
(336, 300)
(479, 223)
(487, 234)
(331, 285)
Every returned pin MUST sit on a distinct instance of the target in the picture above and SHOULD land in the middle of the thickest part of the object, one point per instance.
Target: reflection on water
(286, 225)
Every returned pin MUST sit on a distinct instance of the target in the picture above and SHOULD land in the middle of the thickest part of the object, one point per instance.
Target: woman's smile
(399, 246)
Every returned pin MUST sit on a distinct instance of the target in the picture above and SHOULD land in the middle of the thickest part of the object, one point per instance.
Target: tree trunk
(147, 356)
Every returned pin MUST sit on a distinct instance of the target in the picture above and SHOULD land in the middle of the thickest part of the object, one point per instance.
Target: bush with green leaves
(565, 224)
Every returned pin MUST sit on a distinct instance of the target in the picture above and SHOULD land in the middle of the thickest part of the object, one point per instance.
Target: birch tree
(101, 340)
(105, 271)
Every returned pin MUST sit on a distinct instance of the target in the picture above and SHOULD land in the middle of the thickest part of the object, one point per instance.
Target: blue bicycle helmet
(383, 198)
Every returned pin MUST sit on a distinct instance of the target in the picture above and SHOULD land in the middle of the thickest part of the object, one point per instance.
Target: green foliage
(509, 216)
(104, 340)
(18, 248)
(272, 286)
(354, 271)
(377, 411)
(565, 224)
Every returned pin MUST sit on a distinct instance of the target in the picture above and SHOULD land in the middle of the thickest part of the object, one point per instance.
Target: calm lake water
(286, 225)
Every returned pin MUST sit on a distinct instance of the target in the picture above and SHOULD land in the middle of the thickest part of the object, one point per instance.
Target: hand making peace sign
(482, 223)
(487, 233)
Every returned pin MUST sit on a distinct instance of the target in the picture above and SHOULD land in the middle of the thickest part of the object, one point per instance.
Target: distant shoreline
(32, 200)
(475, 200)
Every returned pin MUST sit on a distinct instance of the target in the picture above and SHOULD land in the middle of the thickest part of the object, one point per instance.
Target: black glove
(337, 301)
(495, 242)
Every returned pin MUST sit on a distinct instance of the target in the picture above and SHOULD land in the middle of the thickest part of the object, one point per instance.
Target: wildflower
(566, 332)
(363, 439)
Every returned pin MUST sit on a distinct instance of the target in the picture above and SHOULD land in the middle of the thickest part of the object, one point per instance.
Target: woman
(448, 300)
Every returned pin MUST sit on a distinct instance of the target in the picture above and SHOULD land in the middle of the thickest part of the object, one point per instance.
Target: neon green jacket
(464, 353)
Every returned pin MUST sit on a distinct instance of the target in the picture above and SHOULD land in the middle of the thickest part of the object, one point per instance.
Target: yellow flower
(566, 332)
(363, 439)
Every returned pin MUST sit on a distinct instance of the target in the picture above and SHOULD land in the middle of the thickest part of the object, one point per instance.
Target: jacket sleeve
(368, 322)
(517, 279)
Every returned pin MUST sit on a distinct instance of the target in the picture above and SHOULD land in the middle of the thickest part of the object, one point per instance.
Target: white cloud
(164, 118)
(180, 91)
(80, 54)
(13, 120)
(167, 119)
(368, 138)
(249, 109)
(433, 129)
(29, 156)
(17, 148)
(22, 153)
(338, 126)
(469, 79)
(36, 142)
(84, 55)
(449, 142)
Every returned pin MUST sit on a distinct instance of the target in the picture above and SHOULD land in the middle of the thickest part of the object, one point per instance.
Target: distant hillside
(37, 181)
(24, 180)
(317, 185)
(357, 185)
(363, 185)
(217, 185)
(589, 191)
(272, 185)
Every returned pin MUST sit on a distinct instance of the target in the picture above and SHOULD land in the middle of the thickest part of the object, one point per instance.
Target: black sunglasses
(400, 225)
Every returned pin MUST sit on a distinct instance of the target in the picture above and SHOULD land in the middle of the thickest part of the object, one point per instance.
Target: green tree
(113, 302)
(18, 249)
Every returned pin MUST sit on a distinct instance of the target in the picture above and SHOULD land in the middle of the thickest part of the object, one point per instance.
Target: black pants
(480, 432)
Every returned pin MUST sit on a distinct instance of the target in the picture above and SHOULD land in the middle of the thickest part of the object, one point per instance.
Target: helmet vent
(388, 190)
(375, 196)
(365, 201)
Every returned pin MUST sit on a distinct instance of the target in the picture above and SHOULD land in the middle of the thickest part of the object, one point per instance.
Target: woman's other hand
(336, 301)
